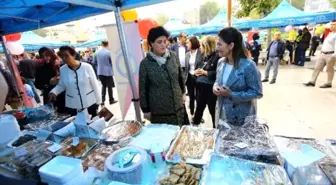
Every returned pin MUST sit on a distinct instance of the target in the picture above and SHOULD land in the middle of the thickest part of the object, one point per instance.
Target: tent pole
(9, 64)
(229, 12)
(125, 51)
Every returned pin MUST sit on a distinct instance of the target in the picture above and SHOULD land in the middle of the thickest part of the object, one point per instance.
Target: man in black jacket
(302, 47)
(275, 54)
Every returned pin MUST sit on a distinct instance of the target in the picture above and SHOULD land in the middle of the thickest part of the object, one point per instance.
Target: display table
(158, 154)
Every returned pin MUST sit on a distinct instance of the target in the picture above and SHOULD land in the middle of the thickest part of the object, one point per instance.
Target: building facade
(318, 6)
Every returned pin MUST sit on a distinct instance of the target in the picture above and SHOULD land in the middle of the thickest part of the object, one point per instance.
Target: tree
(333, 3)
(162, 19)
(208, 11)
(41, 32)
(262, 7)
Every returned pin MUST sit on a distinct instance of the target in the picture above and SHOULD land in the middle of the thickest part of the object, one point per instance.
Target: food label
(54, 148)
(20, 151)
(75, 141)
(241, 145)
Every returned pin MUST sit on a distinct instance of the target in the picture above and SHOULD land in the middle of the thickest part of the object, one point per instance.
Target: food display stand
(128, 152)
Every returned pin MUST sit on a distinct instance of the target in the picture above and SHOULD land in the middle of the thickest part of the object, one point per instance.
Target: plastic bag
(226, 170)
(250, 141)
(43, 112)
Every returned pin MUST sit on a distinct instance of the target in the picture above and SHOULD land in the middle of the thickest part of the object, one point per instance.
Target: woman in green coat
(161, 83)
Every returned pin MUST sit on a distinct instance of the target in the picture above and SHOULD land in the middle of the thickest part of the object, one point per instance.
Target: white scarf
(160, 60)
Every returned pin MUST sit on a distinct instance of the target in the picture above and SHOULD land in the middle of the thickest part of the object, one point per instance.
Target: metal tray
(205, 158)
(91, 144)
(116, 129)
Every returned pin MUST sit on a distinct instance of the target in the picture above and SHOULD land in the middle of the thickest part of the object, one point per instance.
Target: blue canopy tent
(213, 26)
(285, 14)
(96, 41)
(25, 15)
(33, 42)
(175, 24)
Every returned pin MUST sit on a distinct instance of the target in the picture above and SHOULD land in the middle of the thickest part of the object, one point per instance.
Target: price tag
(20, 151)
(241, 145)
(54, 148)
(75, 141)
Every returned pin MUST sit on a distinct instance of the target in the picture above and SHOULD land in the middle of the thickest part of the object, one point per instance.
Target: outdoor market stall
(128, 152)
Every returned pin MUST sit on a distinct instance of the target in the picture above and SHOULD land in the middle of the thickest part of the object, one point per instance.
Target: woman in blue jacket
(238, 83)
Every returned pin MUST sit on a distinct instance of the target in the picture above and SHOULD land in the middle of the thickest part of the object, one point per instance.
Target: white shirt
(80, 86)
(226, 73)
(329, 43)
(182, 53)
(192, 62)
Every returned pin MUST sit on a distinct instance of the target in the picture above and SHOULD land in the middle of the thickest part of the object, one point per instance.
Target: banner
(120, 73)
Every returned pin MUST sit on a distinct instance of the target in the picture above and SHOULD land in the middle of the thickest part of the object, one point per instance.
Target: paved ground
(290, 108)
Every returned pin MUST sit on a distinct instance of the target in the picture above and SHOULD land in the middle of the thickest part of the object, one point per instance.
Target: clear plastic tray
(227, 170)
(121, 130)
(156, 134)
(82, 149)
(201, 140)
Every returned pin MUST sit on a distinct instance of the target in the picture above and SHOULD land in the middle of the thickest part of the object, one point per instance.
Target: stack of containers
(136, 169)
(62, 171)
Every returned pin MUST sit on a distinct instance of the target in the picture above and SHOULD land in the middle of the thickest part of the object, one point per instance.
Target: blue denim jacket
(245, 84)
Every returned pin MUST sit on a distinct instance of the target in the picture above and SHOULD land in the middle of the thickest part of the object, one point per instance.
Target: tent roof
(175, 24)
(24, 15)
(283, 10)
(219, 20)
(285, 14)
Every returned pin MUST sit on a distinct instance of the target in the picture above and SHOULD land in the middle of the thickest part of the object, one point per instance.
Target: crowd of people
(219, 72)
(216, 70)
(67, 79)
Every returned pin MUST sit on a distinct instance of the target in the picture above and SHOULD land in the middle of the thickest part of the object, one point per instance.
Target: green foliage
(261, 7)
(333, 3)
(208, 11)
(162, 19)
(299, 4)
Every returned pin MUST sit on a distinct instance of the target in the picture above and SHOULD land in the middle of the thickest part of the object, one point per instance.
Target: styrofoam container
(61, 170)
(9, 129)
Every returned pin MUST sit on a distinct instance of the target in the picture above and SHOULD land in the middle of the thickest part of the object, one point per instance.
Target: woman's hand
(54, 81)
(52, 97)
(148, 116)
(222, 91)
(200, 72)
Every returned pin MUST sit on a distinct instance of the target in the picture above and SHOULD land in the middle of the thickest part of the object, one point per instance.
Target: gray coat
(161, 90)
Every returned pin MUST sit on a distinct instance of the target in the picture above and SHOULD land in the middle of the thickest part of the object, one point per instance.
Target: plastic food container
(128, 165)
(61, 170)
(11, 126)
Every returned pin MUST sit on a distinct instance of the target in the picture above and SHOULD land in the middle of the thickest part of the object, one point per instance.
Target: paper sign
(20, 151)
(81, 119)
(241, 145)
(98, 125)
(75, 141)
(54, 148)
(42, 135)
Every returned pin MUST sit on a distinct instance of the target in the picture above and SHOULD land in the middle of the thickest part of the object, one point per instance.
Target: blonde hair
(208, 44)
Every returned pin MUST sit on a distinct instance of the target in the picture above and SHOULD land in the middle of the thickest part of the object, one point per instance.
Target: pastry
(193, 182)
(166, 181)
(178, 170)
(186, 178)
(174, 178)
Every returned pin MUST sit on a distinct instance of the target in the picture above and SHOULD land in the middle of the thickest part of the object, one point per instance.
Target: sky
(174, 9)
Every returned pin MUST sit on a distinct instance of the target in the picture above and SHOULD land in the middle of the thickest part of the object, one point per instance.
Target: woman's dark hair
(232, 35)
(255, 36)
(155, 33)
(71, 50)
(195, 44)
(42, 50)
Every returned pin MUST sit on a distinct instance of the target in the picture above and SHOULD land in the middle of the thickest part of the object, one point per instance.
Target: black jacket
(198, 63)
(209, 64)
(175, 48)
(305, 41)
(280, 50)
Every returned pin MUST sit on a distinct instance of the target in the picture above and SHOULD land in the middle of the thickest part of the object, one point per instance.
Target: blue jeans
(300, 57)
(36, 95)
